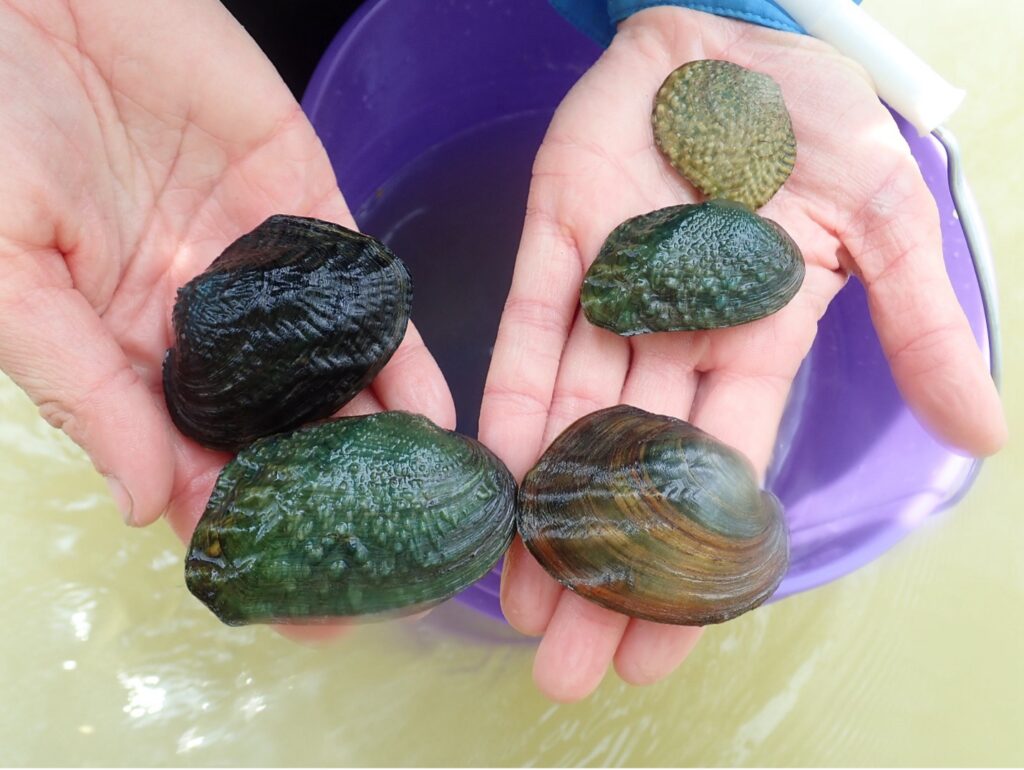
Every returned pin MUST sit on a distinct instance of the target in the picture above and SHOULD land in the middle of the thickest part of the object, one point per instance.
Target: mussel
(284, 327)
(362, 516)
(726, 129)
(649, 516)
(694, 266)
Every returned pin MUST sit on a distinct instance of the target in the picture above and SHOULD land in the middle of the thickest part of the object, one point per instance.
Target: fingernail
(122, 499)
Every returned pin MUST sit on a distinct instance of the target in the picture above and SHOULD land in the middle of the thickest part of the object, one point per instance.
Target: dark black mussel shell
(286, 326)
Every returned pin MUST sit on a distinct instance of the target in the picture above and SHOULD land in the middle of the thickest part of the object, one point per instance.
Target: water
(108, 660)
(436, 212)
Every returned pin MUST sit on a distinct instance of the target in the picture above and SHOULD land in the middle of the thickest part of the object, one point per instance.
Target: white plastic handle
(903, 80)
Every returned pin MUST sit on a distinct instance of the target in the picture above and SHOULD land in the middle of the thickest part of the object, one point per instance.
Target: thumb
(896, 246)
(56, 348)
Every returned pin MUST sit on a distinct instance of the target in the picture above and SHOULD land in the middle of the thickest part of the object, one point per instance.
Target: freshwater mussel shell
(651, 517)
(694, 266)
(726, 129)
(369, 516)
(288, 324)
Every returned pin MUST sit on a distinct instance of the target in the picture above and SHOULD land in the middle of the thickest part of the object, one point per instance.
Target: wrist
(598, 18)
(761, 12)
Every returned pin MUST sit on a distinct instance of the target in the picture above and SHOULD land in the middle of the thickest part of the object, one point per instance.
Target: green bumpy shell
(383, 514)
(694, 266)
(726, 129)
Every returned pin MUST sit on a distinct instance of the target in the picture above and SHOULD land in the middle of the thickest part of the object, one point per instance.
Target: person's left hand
(855, 203)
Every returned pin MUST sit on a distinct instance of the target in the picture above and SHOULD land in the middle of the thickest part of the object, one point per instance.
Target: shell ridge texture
(286, 326)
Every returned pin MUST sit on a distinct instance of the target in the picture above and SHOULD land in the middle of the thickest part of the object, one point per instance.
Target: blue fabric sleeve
(597, 18)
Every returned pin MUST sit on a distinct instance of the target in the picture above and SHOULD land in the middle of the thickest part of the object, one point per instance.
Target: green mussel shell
(286, 326)
(694, 266)
(377, 515)
(651, 517)
(726, 129)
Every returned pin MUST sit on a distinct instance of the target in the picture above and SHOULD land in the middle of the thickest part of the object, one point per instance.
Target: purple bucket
(431, 114)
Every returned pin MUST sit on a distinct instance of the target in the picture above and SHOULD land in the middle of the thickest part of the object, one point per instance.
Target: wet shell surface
(726, 129)
(287, 325)
(695, 266)
(651, 517)
(377, 515)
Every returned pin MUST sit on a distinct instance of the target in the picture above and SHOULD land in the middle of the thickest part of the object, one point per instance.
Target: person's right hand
(139, 140)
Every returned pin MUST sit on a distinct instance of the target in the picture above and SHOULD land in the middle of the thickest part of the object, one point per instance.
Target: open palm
(140, 140)
(855, 203)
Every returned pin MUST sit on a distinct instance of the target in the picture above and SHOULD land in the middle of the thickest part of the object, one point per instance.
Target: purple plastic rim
(853, 467)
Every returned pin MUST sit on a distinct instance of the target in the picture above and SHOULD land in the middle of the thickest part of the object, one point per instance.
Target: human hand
(855, 204)
(141, 139)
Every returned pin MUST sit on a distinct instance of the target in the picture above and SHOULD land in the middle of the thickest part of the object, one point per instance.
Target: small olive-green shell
(382, 514)
(286, 326)
(651, 517)
(695, 266)
(726, 129)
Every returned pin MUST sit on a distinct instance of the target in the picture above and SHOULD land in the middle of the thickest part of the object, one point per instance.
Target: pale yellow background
(916, 659)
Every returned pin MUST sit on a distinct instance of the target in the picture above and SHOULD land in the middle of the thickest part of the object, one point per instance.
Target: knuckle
(898, 220)
(71, 412)
(569, 407)
(927, 351)
(566, 256)
(538, 315)
(57, 415)
(515, 401)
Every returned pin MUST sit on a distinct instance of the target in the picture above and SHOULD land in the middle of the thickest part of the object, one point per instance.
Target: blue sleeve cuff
(597, 18)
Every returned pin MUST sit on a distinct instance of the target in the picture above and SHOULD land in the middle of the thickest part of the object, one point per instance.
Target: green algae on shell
(377, 515)
(286, 326)
(726, 129)
(694, 266)
(649, 516)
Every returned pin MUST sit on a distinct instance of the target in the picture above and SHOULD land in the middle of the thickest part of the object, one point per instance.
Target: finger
(593, 369)
(55, 347)
(662, 379)
(662, 374)
(590, 377)
(529, 594)
(742, 410)
(741, 396)
(650, 651)
(535, 324)
(412, 381)
(313, 635)
(332, 207)
(197, 470)
(895, 243)
(365, 402)
(580, 638)
(580, 641)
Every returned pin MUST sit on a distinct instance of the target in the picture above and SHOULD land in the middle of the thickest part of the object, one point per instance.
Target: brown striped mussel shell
(649, 516)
